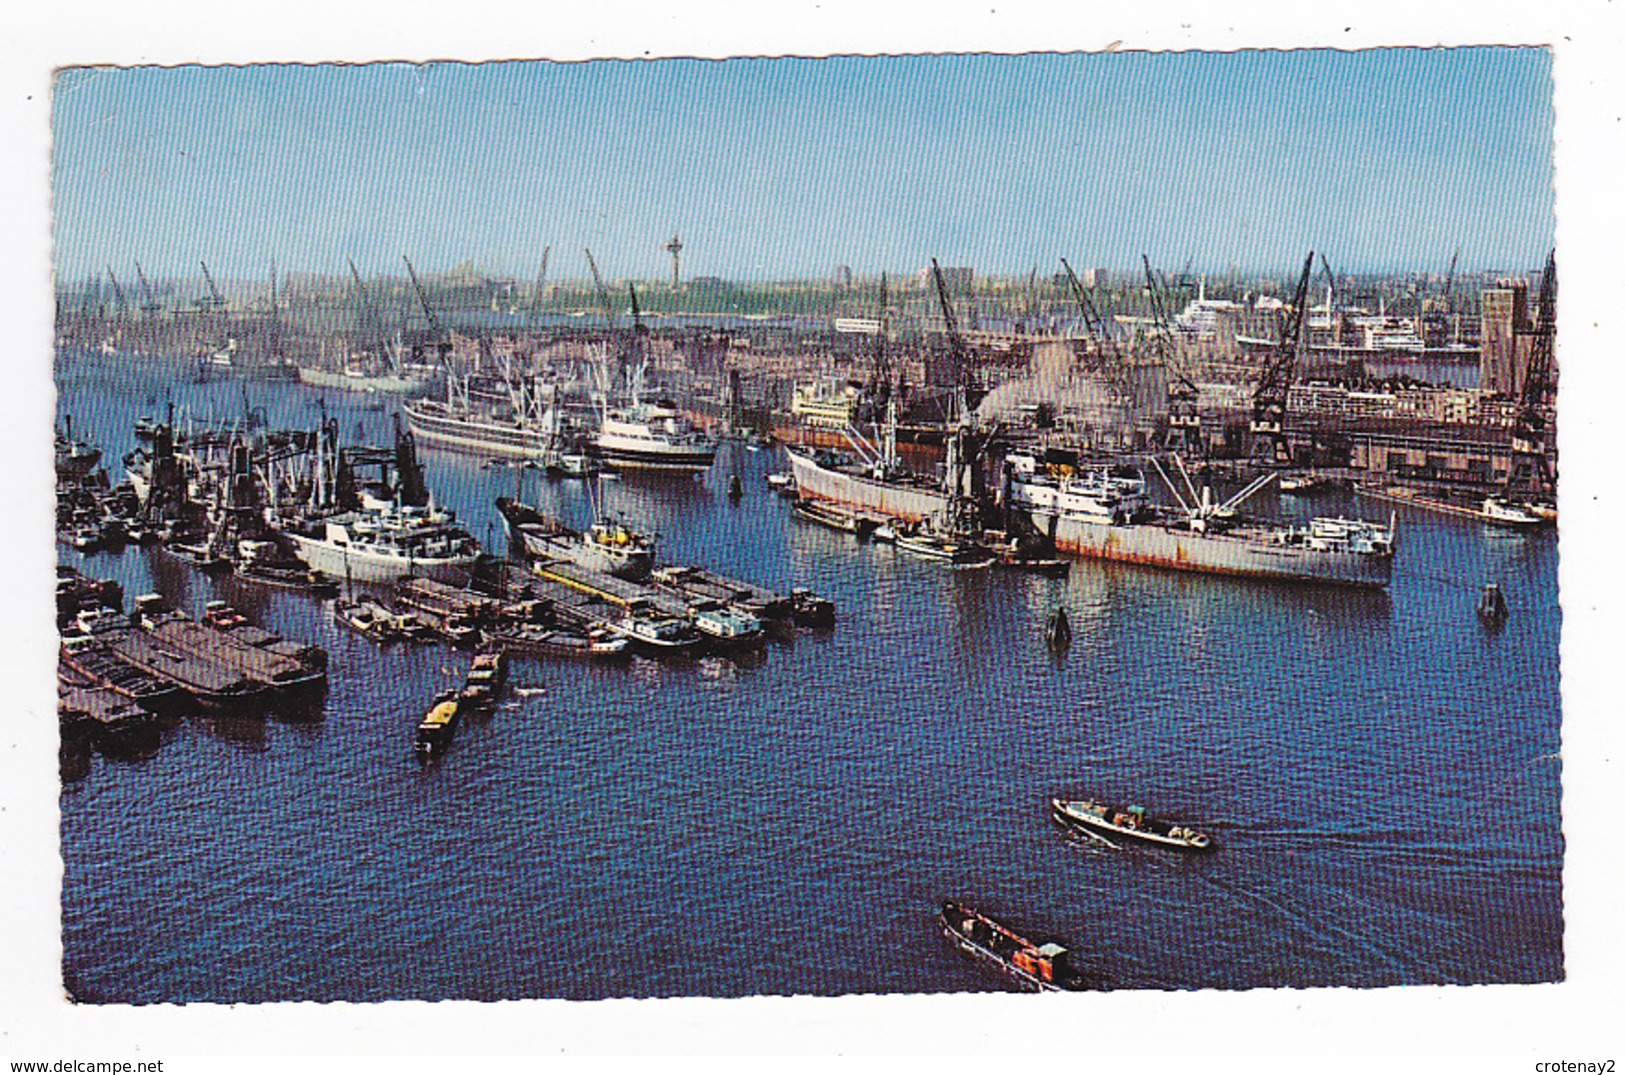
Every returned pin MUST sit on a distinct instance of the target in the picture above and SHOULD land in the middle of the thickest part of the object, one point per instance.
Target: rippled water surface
(1380, 773)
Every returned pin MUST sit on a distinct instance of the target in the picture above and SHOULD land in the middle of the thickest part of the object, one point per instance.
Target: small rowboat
(1104, 821)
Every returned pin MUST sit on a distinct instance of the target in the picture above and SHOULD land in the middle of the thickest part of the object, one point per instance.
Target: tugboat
(1099, 820)
(1492, 605)
(810, 609)
(1040, 967)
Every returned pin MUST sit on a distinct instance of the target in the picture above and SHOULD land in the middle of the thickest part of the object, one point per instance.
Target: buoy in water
(736, 488)
(1492, 605)
(1058, 631)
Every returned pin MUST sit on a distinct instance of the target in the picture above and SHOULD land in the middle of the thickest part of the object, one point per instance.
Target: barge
(1039, 966)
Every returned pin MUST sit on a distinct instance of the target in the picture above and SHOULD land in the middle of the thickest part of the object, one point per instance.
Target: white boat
(607, 545)
(384, 544)
(649, 436)
(1502, 512)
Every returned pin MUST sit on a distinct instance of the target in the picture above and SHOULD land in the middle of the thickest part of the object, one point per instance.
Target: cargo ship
(1105, 514)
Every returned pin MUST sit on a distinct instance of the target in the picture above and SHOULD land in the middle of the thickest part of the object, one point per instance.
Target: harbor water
(790, 824)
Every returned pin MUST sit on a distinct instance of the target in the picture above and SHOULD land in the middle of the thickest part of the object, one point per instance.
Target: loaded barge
(1042, 967)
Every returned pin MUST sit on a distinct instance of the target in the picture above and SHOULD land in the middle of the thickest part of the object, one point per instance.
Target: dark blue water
(1380, 773)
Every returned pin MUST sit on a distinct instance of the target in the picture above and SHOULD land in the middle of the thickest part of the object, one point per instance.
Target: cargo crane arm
(1529, 431)
(118, 293)
(151, 305)
(370, 313)
(1184, 420)
(1275, 379)
(603, 292)
(956, 343)
(541, 281)
(216, 299)
(1108, 358)
(423, 299)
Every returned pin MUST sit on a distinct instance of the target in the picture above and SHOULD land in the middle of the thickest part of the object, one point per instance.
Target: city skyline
(777, 169)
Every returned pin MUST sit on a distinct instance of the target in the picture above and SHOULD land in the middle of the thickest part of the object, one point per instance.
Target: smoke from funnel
(1053, 378)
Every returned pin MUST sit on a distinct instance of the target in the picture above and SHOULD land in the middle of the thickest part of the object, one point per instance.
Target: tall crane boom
(118, 294)
(151, 306)
(216, 299)
(423, 298)
(1108, 360)
(370, 322)
(1184, 420)
(1530, 472)
(603, 292)
(541, 281)
(1275, 379)
(956, 343)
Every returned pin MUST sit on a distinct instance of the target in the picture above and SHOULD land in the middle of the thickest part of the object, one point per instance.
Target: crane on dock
(423, 299)
(216, 300)
(963, 478)
(1184, 419)
(1268, 425)
(151, 307)
(541, 282)
(370, 323)
(1105, 358)
(123, 304)
(1529, 474)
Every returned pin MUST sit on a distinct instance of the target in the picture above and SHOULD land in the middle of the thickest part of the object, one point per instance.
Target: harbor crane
(150, 307)
(962, 469)
(1184, 419)
(215, 300)
(603, 292)
(1107, 360)
(423, 300)
(1529, 474)
(1268, 425)
(371, 324)
(276, 318)
(541, 281)
(118, 295)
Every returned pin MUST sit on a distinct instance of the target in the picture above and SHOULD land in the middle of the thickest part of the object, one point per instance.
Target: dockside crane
(1529, 475)
(541, 282)
(423, 300)
(1268, 425)
(151, 307)
(1106, 358)
(1184, 419)
(216, 300)
(371, 319)
(122, 304)
(962, 469)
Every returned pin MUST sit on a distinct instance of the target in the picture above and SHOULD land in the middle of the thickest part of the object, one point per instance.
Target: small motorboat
(930, 546)
(1042, 967)
(810, 609)
(1102, 821)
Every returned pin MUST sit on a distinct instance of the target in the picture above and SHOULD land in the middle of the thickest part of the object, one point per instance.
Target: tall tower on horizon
(674, 248)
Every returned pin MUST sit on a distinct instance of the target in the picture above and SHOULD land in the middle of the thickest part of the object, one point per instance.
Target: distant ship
(358, 378)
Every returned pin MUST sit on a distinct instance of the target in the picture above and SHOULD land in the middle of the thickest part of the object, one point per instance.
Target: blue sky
(784, 167)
